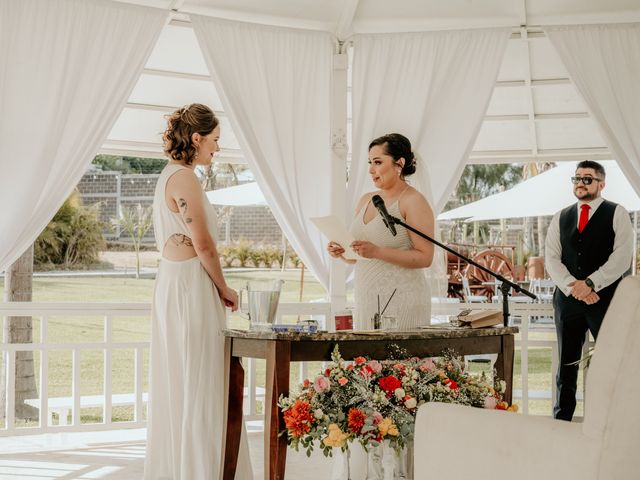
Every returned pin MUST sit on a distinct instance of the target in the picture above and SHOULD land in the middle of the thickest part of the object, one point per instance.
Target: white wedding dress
(411, 304)
(185, 421)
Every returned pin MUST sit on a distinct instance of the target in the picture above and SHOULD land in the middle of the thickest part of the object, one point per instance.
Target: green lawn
(108, 289)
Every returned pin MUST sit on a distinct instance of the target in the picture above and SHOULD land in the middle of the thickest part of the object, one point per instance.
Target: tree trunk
(542, 235)
(136, 247)
(528, 236)
(19, 288)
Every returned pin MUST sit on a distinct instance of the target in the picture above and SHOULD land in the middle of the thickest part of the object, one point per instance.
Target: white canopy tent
(238, 196)
(544, 194)
(535, 112)
(521, 105)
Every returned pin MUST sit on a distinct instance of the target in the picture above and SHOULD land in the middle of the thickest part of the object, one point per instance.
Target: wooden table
(280, 349)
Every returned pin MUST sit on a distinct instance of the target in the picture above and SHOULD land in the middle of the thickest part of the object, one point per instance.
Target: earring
(399, 171)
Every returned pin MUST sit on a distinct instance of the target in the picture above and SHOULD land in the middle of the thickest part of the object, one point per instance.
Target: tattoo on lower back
(182, 205)
(181, 239)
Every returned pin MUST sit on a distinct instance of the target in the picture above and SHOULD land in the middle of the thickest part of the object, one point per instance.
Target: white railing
(43, 345)
(74, 403)
(111, 311)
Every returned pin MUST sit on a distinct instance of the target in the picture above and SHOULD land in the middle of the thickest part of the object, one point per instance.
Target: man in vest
(589, 248)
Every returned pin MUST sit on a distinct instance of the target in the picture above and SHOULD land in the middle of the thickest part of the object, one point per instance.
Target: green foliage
(129, 164)
(479, 181)
(242, 250)
(220, 175)
(295, 259)
(227, 256)
(73, 237)
(256, 257)
(272, 255)
(245, 254)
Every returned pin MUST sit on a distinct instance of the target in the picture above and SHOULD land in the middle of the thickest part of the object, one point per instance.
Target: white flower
(318, 414)
(503, 386)
(411, 403)
(400, 393)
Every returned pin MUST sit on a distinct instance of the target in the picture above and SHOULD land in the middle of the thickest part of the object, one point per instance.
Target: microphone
(378, 202)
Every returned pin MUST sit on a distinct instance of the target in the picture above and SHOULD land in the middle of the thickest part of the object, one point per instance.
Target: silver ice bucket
(262, 297)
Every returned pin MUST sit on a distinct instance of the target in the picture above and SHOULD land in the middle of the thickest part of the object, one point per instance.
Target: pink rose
(427, 365)
(321, 384)
(490, 402)
(375, 366)
(377, 418)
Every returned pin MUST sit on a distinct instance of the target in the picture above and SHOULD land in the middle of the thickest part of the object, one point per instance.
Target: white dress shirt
(619, 261)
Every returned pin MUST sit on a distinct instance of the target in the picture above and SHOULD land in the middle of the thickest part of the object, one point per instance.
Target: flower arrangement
(372, 401)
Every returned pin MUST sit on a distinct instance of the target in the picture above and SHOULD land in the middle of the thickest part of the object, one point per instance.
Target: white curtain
(432, 87)
(66, 70)
(604, 63)
(275, 86)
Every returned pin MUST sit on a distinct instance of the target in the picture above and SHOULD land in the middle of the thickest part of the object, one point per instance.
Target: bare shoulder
(364, 200)
(183, 180)
(413, 200)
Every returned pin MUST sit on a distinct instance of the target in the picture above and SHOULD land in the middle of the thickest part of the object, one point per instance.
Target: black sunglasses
(585, 180)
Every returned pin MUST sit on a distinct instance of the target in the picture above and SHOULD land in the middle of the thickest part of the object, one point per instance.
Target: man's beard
(587, 196)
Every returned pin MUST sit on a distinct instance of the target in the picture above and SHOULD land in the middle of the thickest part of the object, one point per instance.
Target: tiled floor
(116, 455)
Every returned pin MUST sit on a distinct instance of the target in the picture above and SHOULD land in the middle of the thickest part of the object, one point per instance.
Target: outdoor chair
(543, 289)
(468, 297)
(501, 445)
(497, 298)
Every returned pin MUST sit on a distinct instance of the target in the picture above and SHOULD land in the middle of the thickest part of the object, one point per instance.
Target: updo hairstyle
(397, 146)
(181, 125)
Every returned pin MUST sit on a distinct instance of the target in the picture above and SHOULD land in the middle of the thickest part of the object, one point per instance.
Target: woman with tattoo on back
(184, 436)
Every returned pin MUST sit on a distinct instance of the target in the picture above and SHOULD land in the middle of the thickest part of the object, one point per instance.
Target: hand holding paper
(336, 231)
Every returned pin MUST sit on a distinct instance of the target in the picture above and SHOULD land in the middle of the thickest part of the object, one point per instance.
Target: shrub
(295, 259)
(272, 255)
(227, 256)
(256, 256)
(73, 236)
(242, 252)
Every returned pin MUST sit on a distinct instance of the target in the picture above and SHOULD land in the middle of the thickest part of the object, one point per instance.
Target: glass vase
(386, 463)
(341, 464)
(375, 469)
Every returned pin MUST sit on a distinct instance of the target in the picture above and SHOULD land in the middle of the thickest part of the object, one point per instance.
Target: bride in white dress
(185, 425)
(391, 262)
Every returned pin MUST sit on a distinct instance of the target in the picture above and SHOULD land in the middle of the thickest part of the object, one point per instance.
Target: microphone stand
(504, 287)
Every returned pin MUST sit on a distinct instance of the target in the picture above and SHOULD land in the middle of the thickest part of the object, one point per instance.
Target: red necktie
(584, 217)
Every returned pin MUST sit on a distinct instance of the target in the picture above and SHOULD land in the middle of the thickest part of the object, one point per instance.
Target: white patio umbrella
(238, 195)
(545, 194)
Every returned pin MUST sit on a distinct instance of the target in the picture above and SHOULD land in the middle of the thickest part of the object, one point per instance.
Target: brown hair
(397, 146)
(598, 168)
(181, 125)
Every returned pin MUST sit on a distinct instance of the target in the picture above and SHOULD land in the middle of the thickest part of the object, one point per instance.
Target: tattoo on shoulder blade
(181, 239)
(182, 205)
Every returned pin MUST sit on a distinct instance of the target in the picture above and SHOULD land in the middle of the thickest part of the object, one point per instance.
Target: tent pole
(338, 170)
(634, 266)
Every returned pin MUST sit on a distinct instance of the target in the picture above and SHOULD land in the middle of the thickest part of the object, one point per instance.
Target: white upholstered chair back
(612, 405)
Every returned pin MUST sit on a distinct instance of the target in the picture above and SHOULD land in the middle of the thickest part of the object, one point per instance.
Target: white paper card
(335, 230)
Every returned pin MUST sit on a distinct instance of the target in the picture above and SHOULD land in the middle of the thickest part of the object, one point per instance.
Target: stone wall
(114, 190)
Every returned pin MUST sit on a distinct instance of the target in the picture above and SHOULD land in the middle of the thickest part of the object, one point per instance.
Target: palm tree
(136, 222)
(479, 181)
(19, 288)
